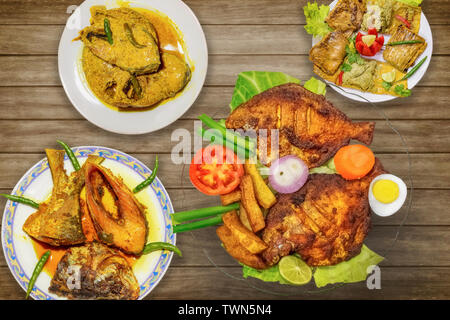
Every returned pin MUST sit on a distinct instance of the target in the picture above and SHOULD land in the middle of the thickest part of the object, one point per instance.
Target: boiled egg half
(387, 193)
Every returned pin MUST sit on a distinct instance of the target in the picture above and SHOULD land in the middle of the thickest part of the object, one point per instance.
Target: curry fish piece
(58, 221)
(347, 15)
(309, 126)
(135, 43)
(102, 273)
(118, 218)
(114, 86)
(329, 53)
(326, 221)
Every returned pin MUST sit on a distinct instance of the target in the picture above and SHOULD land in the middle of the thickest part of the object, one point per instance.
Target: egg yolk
(385, 191)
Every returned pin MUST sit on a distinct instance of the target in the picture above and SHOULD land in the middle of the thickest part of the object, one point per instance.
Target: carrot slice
(354, 161)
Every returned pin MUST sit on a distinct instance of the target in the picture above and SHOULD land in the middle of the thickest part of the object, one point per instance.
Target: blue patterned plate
(37, 185)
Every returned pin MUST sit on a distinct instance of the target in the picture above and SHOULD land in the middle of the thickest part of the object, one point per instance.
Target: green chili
(19, 199)
(130, 36)
(70, 154)
(37, 270)
(149, 180)
(108, 31)
(403, 42)
(414, 69)
(197, 224)
(202, 213)
(136, 86)
(155, 246)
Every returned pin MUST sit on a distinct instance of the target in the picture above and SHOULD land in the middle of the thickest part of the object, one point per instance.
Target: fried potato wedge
(263, 194)
(237, 251)
(246, 238)
(248, 199)
(231, 197)
(243, 217)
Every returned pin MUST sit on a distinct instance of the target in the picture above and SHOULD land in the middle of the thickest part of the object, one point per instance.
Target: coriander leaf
(346, 67)
(386, 85)
(315, 19)
(401, 91)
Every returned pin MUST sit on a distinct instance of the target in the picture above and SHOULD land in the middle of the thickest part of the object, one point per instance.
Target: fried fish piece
(115, 86)
(326, 221)
(135, 45)
(347, 15)
(58, 221)
(94, 271)
(411, 13)
(329, 53)
(403, 56)
(309, 126)
(118, 218)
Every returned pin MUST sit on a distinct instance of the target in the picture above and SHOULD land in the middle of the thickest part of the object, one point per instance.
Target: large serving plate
(424, 31)
(37, 185)
(85, 101)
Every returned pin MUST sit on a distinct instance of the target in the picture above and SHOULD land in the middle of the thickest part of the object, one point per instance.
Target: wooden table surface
(242, 35)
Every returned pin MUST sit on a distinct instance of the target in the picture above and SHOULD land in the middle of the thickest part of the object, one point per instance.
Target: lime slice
(294, 270)
(369, 39)
(388, 76)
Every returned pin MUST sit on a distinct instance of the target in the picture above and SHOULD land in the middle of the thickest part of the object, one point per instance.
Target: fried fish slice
(309, 126)
(403, 56)
(411, 13)
(94, 271)
(58, 222)
(329, 53)
(135, 45)
(347, 15)
(326, 221)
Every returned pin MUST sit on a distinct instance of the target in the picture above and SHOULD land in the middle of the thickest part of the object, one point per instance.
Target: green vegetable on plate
(70, 154)
(315, 19)
(316, 86)
(108, 31)
(150, 179)
(20, 199)
(201, 213)
(155, 246)
(198, 224)
(37, 270)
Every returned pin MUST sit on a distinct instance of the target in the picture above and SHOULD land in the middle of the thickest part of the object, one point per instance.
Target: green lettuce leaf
(315, 19)
(250, 83)
(414, 3)
(353, 270)
(328, 168)
(267, 275)
(316, 86)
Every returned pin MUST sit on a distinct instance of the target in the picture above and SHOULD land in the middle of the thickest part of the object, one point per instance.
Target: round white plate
(37, 185)
(85, 101)
(424, 31)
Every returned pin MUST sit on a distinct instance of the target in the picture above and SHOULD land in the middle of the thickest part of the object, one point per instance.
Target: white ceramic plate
(425, 32)
(84, 100)
(37, 185)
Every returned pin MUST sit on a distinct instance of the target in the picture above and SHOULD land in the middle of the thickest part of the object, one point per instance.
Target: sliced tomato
(216, 170)
(373, 31)
(380, 40)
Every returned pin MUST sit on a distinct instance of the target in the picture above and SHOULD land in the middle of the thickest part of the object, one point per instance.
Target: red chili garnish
(404, 21)
(340, 78)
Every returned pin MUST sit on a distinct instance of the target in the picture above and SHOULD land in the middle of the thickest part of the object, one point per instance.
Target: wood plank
(222, 39)
(222, 12)
(223, 69)
(21, 103)
(422, 136)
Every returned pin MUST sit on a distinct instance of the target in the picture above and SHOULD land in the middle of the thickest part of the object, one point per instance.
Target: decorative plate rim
(41, 166)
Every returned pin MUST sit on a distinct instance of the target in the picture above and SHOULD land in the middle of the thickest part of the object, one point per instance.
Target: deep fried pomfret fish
(326, 221)
(135, 43)
(329, 53)
(58, 221)
(309, 126)
(102, 273)
(347, 15)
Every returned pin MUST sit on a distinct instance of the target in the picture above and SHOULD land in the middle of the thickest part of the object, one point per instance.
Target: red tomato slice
(380, 40)
(216, 170)
(373, 31)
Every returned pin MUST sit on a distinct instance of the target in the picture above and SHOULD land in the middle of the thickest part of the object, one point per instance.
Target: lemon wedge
(369, 39)
(388, 76)
(294, 270)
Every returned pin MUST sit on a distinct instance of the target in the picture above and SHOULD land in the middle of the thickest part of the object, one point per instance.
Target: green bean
(149, 180)
(136, 86)
(108, 31)
(19, 199)
(130, 36)
(403, 42)
(414, 69)
(37, 270)
(70, 154)
(201, 213)
(155, 246)
(198, 224)
(215, 139)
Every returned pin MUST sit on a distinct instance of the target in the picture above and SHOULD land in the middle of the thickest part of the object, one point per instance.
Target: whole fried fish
(326, 221)
(309, 126)
(94, 271)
